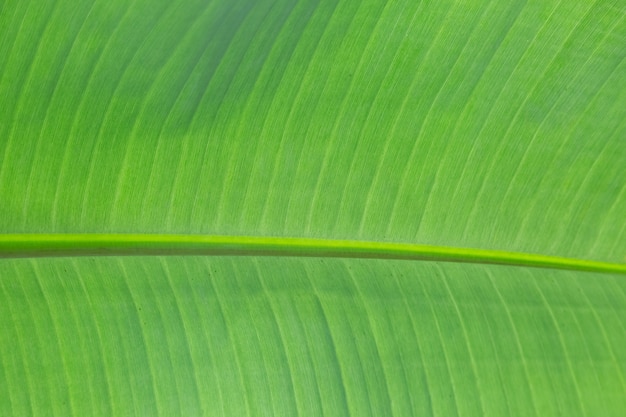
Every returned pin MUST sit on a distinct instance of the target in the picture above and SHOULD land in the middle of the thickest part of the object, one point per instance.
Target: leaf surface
(483, 132)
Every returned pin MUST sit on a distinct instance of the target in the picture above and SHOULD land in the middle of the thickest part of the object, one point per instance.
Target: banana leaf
(318, 207)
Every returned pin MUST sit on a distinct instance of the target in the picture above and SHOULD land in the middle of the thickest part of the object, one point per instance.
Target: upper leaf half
(496, 125)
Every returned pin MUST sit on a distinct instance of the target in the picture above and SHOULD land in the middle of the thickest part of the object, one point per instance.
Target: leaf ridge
(102, 244)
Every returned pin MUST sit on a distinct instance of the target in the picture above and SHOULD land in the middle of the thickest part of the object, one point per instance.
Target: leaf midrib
(108, 244)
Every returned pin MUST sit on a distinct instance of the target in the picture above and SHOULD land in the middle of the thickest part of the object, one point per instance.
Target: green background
(496, 125)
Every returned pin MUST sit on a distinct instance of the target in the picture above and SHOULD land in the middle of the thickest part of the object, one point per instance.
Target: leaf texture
(497, 125)
(292, 336)
(486, 126)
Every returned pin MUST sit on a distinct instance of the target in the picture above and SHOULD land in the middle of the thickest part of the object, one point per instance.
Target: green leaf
(242, 208)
